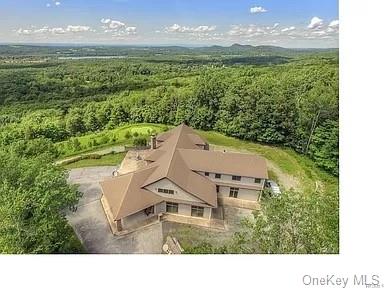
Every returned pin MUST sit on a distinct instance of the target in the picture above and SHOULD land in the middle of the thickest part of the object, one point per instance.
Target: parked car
(272, 187)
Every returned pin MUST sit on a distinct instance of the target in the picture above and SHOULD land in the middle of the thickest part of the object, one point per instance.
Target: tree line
(293, 105)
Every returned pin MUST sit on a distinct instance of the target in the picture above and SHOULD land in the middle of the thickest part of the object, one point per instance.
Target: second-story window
(257, 180)
(218, 176)
(166, 191)
(206, 173)
(236, 178)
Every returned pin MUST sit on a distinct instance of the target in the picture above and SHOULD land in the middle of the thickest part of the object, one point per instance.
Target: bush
(104, 139)
(128, 135)
(140, 142)
(91, 156)
(76, 144)
(135, 134)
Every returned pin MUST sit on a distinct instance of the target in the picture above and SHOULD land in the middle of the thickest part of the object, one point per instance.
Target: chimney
(153, 142)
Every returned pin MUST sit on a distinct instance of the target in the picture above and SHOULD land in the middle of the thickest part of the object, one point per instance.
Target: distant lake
(90, 57)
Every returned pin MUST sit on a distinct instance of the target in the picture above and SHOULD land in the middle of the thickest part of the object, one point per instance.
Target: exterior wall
(184, 209)
(207, 213)
(180, 194)
(134, 219)
(226, 178)
(160, 208)
(246, 194)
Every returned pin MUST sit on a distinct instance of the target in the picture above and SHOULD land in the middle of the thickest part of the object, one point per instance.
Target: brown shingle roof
(248, 165)
(172, 166)
(176, 158)
(125, 195)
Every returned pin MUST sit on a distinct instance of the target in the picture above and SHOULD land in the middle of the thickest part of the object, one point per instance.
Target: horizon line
(152, 45)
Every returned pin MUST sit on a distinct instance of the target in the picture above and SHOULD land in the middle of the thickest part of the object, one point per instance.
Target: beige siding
(134, 219)
(180, 194)
(225, 178)
(246, 194)
(207, 213)
(160, 208)
(184, 209)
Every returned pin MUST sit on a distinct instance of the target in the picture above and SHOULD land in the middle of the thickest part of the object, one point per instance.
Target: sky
(286, 23)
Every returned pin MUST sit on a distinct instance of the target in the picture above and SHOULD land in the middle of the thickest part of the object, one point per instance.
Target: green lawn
(290, 162)
(123, 135)
(107, 160)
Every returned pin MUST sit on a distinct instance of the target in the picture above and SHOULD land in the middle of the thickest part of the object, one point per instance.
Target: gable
(180, 194)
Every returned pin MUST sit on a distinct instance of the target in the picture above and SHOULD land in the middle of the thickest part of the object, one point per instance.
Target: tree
(140, 141)
(33, 148)
(34, 197)
(75, 122)
(324, 148)
(292, 223)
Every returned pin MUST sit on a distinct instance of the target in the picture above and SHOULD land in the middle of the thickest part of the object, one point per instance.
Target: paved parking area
(91, 225)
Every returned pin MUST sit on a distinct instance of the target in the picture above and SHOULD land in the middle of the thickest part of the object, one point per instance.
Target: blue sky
(288, 23)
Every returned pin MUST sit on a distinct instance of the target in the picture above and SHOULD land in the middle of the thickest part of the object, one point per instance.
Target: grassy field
(107, 160)
(123, 135)
(308, 175)
(292, 164)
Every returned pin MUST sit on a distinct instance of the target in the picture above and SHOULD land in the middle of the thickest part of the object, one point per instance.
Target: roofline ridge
(126, 189)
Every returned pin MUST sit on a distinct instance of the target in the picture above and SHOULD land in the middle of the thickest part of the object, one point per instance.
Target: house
(183, 177)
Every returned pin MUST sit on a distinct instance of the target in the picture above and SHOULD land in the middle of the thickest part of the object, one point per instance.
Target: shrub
(128, 135)
(140, 142)
(104, 139)
(91, 156)
(135, 134)
(76, 144)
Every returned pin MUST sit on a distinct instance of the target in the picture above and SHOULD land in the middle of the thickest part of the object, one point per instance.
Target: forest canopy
(294, 104)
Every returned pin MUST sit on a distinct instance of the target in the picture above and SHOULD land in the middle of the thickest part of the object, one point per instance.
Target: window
(233, 192)
(172, 207)
(197, 211)
(149, 210)
(217, 176)
(236, 178)
(257, 180)
(206, 173)
(166, 191)
(217, 188)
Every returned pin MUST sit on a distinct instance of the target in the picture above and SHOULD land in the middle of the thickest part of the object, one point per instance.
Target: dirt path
(285, 180)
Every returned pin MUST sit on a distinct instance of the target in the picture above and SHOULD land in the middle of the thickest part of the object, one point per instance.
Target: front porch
(140, 220)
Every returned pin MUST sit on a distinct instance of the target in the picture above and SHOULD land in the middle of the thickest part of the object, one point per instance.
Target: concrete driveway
(91, 225)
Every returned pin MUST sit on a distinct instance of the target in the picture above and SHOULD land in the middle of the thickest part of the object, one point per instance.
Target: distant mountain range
(104, 50)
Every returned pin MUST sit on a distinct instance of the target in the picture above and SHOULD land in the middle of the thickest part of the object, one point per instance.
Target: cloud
(117, 28)
(176, 28)
(334, 24)
(316, 23)
(288, 29)
(70, 29)
(54, 3)
(58, 30)
(131, 30)
(77, 29)
(257, 9)
(246, 31)
(113, 25)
